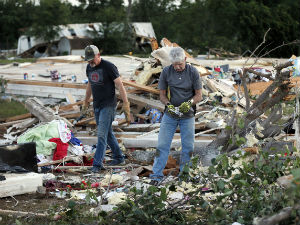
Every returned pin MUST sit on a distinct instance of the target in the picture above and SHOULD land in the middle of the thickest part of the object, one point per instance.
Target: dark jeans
(104, 118)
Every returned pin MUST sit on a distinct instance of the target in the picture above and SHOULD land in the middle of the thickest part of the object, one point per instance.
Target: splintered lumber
(48, 83)
(210, 85)
(222, 87)
(141, 127)
(151, 142)
(44, 114)
(17, 184)
(8, 124)
(141, 87)
(70, 98)
(45, 89)
(86, 121)
(36, 107)
(144, 102)
(146, 74)
(19, 117)
(70, 115)
(26, 123)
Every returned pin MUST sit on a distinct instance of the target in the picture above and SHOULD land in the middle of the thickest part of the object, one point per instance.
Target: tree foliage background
(234, 25)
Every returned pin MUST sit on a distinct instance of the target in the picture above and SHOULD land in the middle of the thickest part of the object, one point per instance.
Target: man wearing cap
(103, 77)
(180, 90)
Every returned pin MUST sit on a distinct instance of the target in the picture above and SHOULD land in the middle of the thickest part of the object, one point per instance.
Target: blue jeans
(167, 130)
(104, 118)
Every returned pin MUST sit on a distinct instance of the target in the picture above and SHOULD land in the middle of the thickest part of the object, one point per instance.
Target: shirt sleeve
(197, 84)
(86, 71)
(114, 72)
(162, 84)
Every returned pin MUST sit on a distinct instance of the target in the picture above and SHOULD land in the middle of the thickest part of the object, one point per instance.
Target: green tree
(47, 17)
(14, 15)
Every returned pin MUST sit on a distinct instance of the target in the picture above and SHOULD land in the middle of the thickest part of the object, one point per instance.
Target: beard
(92, 64)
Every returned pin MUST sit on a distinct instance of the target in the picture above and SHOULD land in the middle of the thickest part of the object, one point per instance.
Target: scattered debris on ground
(64, 142)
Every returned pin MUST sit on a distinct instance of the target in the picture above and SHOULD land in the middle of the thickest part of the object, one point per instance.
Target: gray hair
(177, 55)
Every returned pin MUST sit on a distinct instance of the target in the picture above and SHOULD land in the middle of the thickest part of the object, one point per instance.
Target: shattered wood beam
(8, 124)
(44, 114)
(70, 98)
(19, 117)
(151, 142)
(25, 124)
(141, 87)
(269, 75)
(70, 115)
(144, 102)
(48, 83)
(36, 107)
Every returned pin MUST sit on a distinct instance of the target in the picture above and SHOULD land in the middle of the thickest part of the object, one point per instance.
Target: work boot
(154, 182)
(97, 169)
(116, 162)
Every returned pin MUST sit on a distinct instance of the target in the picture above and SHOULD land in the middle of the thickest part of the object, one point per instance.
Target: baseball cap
(90, 52)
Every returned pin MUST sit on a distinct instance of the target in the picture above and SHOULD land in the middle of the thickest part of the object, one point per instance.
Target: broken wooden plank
(19, 117)
(146, 74)
(70, 99)
(36, 107)
(145, 102)
(26, 123)
(8, 124)
(146, 142)
(141, 87)
(48, 83)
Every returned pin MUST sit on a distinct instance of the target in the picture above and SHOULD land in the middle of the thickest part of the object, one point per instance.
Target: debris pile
(64, 140)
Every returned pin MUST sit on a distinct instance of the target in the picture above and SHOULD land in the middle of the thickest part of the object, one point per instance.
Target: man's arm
(198, 96)
(120, 87)
(123, 94)
(88, 95)
(163, 97)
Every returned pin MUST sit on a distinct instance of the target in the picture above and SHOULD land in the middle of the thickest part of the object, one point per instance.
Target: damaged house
(73, 38)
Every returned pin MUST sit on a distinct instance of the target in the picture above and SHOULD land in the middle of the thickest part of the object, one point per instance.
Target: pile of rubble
(65, 141)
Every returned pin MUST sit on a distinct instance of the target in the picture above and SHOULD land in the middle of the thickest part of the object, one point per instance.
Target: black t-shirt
(101, 78)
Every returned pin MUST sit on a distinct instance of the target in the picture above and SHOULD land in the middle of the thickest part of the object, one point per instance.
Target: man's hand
(185, 106)
(126, 110)
(171, 108)
(84, 110)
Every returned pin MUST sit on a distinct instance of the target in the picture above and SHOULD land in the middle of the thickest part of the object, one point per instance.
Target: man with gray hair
(180, 90)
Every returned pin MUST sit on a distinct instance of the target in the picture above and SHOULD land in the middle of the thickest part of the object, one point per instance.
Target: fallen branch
(20, 213)
(275, 219)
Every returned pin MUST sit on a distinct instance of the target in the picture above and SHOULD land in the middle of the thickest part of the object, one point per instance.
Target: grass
(21, 60)
(9, 108)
